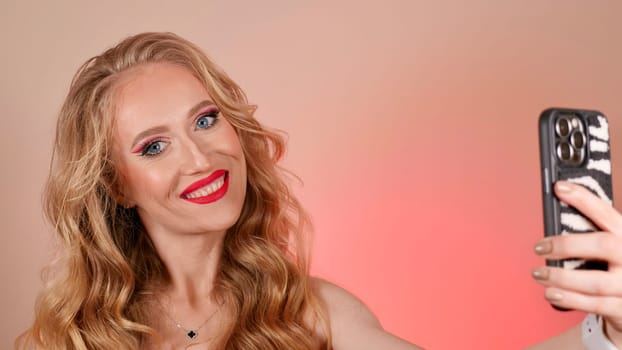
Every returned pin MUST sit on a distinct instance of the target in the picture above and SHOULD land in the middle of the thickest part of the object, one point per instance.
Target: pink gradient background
(411, 123)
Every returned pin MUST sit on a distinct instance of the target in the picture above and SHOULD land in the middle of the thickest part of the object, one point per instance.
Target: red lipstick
(212, 197)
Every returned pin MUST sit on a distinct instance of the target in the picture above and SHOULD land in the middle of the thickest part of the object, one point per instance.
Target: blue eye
(207, 120)
(153, 148)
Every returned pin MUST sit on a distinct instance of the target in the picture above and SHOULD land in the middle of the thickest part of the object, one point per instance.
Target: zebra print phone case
(574, 146)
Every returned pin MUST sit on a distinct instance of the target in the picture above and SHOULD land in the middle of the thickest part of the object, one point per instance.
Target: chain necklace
(191, 334)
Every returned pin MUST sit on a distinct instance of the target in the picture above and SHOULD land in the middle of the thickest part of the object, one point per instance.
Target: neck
(192, 262)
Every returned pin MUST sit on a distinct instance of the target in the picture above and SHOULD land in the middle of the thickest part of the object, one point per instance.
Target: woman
(177, 228)
(596, 292)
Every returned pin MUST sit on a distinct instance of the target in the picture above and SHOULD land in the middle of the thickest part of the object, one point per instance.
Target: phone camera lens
(564, 151)
(577, 139)
(563, 127)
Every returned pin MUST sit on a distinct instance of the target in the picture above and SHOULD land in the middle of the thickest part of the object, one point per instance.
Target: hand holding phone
(577, 198)
(574, 147)
(592, 291)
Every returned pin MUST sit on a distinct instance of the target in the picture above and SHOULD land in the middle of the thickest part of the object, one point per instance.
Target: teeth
(207, 190)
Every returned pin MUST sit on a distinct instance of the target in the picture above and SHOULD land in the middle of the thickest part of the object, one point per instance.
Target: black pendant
(191, 334)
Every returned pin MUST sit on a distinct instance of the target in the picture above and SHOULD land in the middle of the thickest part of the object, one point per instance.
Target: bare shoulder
(342, 304)
(353, 325)
(568, 340)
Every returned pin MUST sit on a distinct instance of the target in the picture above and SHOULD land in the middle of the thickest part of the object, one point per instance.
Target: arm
(353, 325)
(569, 340)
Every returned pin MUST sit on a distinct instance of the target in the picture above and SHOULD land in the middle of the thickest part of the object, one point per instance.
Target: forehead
(154, 94)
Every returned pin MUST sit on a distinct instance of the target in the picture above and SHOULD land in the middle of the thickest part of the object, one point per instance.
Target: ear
(114, 184)
(126, 203)
(121, 196)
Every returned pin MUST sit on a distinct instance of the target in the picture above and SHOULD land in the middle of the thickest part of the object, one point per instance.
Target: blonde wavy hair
(110, 268)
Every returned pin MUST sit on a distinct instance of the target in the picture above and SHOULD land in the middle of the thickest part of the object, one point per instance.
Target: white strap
(593, 336)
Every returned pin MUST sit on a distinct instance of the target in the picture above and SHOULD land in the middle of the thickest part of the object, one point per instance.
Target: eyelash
(215, 114)
(145, 149)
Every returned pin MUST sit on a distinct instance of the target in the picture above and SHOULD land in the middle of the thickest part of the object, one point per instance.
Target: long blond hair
(110, 266)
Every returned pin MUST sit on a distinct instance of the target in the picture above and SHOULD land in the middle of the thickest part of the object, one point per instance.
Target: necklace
(190, 333)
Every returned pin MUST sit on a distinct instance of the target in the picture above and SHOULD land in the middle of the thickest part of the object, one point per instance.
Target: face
(180, 160)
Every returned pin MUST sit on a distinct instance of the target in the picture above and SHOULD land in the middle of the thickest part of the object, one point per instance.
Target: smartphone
(574, 146)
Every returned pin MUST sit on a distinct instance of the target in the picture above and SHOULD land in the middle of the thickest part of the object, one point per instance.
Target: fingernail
(540, 273)
(543, 247)
(553, 295)
(563, 187)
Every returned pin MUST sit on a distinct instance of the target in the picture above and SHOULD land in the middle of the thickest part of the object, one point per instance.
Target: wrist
(614, 336)
(593, 334)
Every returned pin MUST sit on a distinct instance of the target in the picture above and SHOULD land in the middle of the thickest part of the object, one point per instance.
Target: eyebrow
(161, 128)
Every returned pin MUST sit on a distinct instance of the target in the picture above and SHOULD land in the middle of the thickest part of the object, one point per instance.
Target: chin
(221, 225)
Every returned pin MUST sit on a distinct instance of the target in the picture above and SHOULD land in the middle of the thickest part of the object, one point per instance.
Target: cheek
(233, 140)
(229, 143)
(141, 183)
(235, 150)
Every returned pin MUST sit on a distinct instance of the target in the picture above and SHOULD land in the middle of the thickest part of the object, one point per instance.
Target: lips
(209, 189)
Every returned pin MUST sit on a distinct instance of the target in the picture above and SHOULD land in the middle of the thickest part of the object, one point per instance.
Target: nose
(194, 160)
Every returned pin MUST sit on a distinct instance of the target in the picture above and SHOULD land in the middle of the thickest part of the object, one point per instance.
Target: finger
(598, 210)
(589, 282)
(593, 246)
(608, 306)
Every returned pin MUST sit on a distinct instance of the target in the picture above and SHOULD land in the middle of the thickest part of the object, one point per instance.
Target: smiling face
(180, 161)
